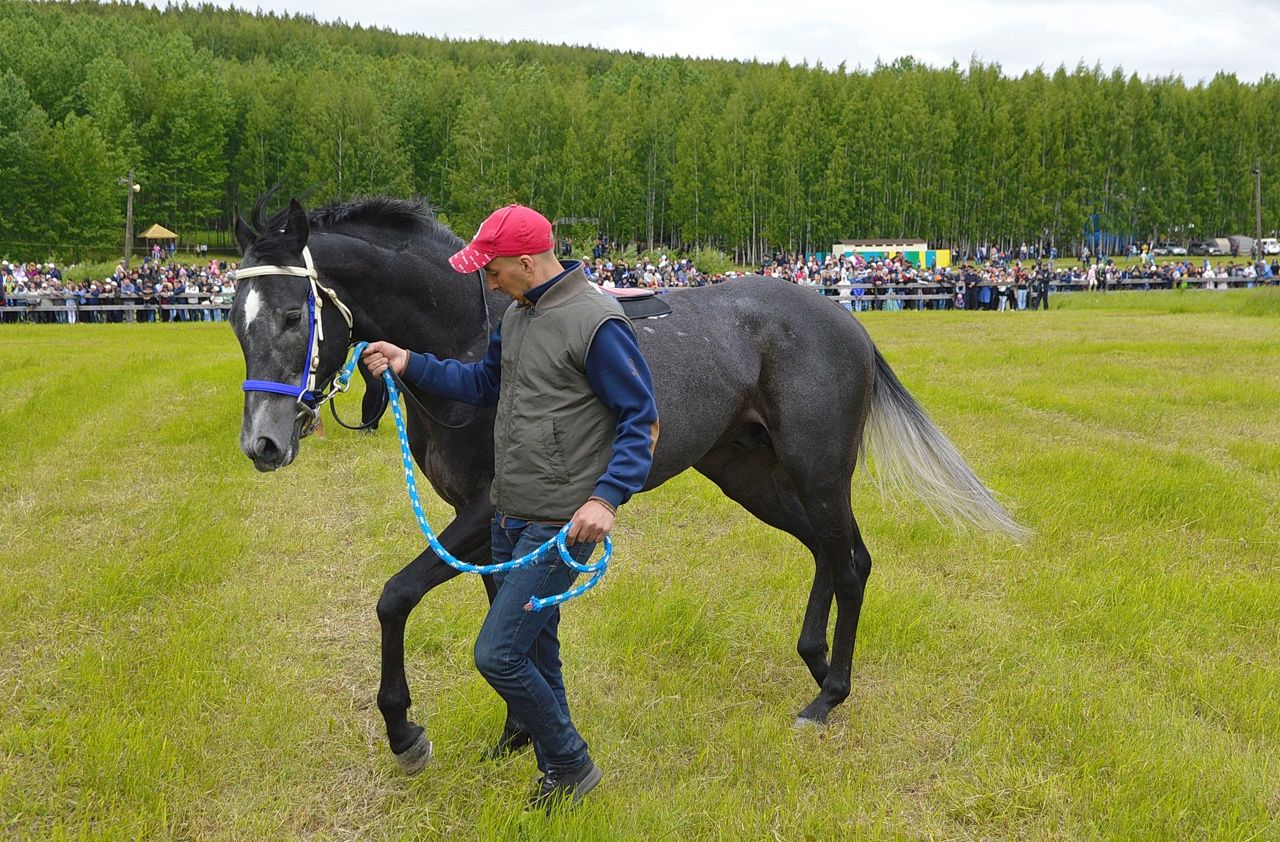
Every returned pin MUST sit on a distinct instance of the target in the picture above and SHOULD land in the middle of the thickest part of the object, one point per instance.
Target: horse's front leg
(467, 537)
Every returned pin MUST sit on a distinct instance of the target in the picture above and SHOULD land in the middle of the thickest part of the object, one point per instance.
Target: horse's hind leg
(813, 631)
(821, 478)
(753, 477)
(849, 564)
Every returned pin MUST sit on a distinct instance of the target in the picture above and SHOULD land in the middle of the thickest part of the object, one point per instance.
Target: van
(1270, 245)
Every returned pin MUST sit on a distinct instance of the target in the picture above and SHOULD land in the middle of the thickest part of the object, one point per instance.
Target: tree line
(210, 107)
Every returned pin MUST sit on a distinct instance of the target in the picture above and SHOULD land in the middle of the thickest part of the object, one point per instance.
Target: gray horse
(763, 387)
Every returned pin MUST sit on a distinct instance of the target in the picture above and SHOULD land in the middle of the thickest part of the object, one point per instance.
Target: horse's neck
(457, 330)
(430, 310)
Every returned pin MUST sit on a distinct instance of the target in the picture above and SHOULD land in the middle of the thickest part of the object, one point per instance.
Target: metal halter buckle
(310, 417)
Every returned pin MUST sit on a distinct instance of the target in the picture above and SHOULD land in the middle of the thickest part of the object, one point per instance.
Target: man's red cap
(508, 232)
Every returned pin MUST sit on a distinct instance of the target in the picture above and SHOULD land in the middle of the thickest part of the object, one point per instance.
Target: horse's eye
(293, 318)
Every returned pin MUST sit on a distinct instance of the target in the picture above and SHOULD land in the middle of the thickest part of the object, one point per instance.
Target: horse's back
(753, 350)
(751, 310)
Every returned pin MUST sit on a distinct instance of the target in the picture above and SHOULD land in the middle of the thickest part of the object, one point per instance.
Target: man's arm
(622, 381)
(474, 383)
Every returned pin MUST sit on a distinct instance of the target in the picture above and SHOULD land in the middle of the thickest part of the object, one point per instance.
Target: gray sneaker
(560, 787)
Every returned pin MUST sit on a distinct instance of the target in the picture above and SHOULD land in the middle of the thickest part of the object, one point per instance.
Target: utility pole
(132, 187)
(1257, 204)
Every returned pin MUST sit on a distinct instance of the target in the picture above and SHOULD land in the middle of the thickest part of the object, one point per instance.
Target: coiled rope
(559, 541)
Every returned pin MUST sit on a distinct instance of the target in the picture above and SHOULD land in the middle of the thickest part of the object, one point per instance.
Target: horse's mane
(380, 210)
(383, 211)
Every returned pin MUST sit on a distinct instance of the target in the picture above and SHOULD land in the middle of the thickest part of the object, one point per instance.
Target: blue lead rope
(559, 541)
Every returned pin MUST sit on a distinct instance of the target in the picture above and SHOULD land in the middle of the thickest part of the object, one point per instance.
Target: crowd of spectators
(43, 294)
(666, 273)
(640, 272)
(995, 280)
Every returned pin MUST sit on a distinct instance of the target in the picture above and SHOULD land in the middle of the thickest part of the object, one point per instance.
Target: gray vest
(553, 437)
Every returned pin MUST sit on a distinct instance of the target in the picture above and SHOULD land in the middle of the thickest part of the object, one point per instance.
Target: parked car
(1270, 245)
(1168, 248)
(1206, 247)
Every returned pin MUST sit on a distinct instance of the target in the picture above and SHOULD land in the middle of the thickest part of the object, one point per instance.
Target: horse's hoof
(804, 723)
(414, 759)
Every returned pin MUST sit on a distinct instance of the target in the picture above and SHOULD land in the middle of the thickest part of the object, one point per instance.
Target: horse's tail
(903, 449)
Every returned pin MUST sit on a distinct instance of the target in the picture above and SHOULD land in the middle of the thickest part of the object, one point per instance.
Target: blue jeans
(518, 651)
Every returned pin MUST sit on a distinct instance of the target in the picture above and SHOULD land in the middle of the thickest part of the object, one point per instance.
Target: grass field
(188, 649)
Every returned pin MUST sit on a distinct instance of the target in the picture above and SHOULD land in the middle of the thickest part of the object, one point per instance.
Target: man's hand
(380, 356)
(591, 523)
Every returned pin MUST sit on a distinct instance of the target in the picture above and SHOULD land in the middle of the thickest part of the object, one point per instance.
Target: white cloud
(1183, 37)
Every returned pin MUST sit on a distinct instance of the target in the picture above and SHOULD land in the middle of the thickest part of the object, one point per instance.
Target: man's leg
(546, 658)
(506, 642)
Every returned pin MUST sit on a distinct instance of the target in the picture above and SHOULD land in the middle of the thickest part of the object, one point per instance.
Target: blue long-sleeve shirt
(616, 370)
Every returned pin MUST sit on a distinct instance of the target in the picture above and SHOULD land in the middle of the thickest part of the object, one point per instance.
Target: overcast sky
(1151, 37)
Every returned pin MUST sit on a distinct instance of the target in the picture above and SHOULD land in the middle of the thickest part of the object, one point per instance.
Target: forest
(211, 107)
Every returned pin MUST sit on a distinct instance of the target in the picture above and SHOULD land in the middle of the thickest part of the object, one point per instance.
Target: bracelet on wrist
(603, 502)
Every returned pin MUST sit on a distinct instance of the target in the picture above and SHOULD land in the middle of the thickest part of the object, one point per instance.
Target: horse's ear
(297, 226)
(244, 234)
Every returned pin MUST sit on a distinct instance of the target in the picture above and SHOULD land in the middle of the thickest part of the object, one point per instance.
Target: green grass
(1261, 301)
(189, 649)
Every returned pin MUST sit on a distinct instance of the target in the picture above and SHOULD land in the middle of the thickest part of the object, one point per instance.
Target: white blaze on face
(252, 304)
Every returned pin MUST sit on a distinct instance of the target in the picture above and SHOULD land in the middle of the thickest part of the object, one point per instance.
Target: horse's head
(293, 330)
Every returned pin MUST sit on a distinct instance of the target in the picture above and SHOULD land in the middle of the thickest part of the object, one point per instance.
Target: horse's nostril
(266, 449)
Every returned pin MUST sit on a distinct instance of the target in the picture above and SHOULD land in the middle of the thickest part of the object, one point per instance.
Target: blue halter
(305, 392)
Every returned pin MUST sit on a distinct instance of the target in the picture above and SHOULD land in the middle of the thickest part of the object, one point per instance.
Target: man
(573, 440)
(1041, 288)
